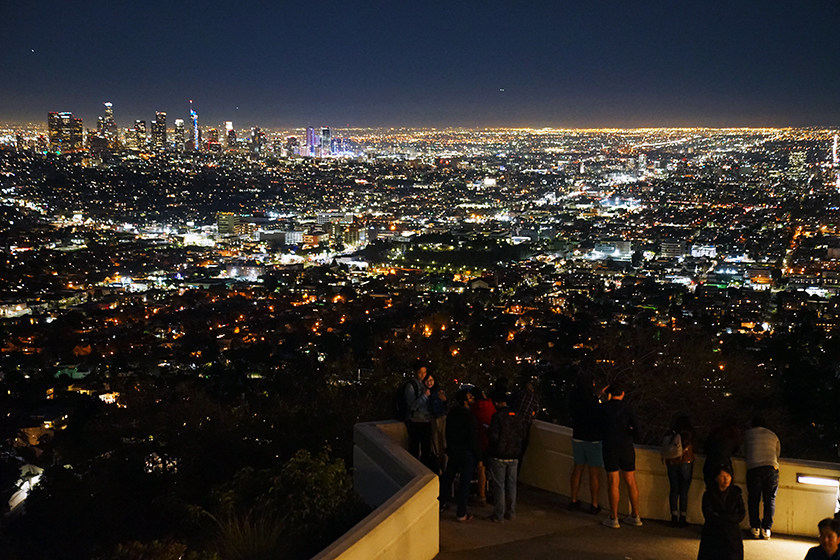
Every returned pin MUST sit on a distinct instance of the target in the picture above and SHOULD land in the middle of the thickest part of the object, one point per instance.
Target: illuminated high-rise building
(159, 131)
(196, 143)
(257, 139)
(311, 142)
(326, 142)
(140, 133)
(109, 126)
(66, 132)
(292, 146)
(180, 134)
(230, 134)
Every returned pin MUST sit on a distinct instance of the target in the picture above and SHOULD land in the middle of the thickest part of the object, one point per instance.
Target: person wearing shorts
(620, 426)
(586, 443)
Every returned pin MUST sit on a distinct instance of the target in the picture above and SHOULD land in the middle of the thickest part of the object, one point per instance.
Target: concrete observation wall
(405, 522)
(799, 506)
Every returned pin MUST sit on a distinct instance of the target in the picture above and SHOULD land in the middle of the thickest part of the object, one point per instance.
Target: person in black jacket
(587, 448)
(620, 427)
(463, 451)
(723, 510)
(506, 435)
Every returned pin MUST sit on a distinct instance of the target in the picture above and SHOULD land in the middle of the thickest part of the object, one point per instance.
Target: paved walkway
(544, 529)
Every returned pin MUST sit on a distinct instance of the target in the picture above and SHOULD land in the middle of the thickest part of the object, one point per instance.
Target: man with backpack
(505, 437)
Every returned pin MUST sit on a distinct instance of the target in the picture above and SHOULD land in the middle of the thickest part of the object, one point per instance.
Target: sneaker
(574, 506)
(635, 521)
(495, 519)
(465, 518)
(610, 522)
(594, 510)
(510, 516)
(765, 533)
(755, 532)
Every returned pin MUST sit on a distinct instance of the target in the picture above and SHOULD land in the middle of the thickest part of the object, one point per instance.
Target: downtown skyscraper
(159, 131)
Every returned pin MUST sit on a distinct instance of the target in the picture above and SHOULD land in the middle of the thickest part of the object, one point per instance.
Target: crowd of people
(479, 435)
(469, 438)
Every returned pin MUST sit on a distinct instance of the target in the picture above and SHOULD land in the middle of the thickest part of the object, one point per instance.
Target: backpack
(671, 446)
(401, 411)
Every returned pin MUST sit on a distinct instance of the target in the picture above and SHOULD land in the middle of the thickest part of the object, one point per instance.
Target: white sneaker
(635, 521)
(610, 522)
(756, 533)
(765, 533)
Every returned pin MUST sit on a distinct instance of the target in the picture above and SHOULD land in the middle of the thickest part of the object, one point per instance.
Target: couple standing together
(603, 436)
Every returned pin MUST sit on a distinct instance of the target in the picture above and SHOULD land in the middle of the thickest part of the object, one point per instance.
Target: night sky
(456, 63)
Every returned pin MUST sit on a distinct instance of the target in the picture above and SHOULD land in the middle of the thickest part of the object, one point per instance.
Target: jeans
(762, 484)
(464, 465)
(679, 477)
(420, 443)
(503, 476)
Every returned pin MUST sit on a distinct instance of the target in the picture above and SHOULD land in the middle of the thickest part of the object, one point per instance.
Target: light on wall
(817, 480)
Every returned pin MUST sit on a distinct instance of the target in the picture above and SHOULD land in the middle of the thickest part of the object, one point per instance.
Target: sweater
(762, 448)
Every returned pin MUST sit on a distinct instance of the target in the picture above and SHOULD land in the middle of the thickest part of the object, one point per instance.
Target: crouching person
(506, 436)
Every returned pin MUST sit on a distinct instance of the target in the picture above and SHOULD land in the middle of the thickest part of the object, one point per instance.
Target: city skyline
(574, 66)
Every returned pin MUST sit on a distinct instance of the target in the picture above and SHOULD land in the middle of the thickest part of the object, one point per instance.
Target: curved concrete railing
(799, 506)
(405, 524)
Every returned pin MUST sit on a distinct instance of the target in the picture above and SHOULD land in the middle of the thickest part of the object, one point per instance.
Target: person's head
(477, 394)
(759, 422)
(499, 398)
(682, 424)
(429, 380)
(463, 397)
(829, 535)
(724, 477)
(420, 371)
(616, 390)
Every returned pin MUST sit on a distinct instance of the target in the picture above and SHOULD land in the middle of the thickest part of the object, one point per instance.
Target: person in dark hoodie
(505, 437)
(463, 451)
(723, 510)
(620, 427)
(587, 448)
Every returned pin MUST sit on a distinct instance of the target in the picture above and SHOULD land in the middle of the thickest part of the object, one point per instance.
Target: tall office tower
(100, 126)
(230, 134)
(196, 144)
(292, 146)
(159, 131)
(109, 125)
(66, 132)
(311, 142)
(130, 139)
(642, 163)
(77, 134)
(326, 142)
(257, 140)
(834, 164)
(180, 134)
(140, 133)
